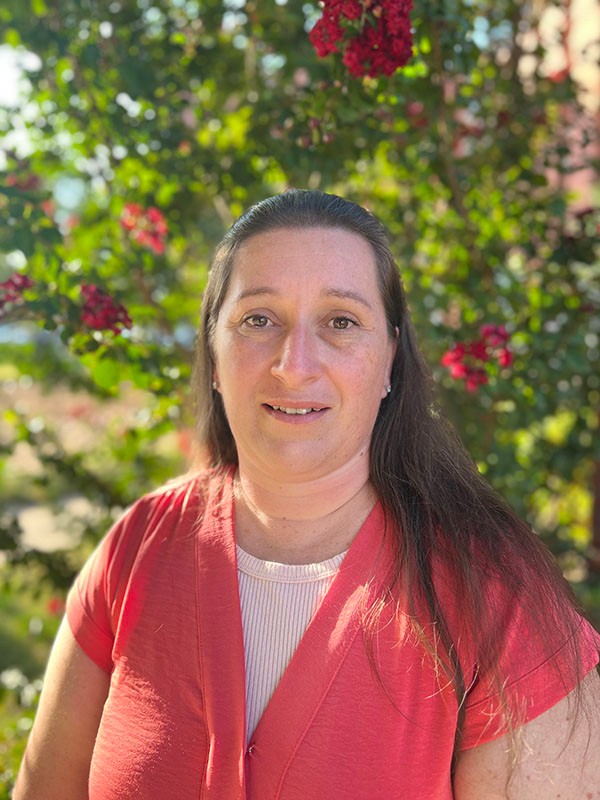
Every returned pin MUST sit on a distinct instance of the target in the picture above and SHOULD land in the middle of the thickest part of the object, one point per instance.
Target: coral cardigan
(157, 607)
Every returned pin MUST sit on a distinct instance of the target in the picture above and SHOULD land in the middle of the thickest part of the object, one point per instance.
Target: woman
(340, 607)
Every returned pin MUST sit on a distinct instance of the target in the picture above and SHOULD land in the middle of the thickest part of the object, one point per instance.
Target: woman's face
(302, 351)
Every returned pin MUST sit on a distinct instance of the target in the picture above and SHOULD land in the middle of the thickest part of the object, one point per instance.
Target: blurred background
(133, 132)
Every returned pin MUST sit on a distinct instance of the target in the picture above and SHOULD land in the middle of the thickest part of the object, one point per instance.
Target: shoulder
(187, 495)
(165, 515)
(523, 647)
(153, 540)
(549, 758)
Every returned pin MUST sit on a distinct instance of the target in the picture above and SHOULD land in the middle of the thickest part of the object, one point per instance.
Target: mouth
(297, 411)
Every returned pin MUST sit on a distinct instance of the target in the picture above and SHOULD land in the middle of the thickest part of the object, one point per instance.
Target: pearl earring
(388, 388)
(215, 387)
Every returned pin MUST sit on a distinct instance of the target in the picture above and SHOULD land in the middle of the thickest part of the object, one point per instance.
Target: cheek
(376, 367)
(365, 387)
(374, 378)
(237, 367)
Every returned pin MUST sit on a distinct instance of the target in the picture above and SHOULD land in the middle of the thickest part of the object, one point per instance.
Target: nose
(297, 360)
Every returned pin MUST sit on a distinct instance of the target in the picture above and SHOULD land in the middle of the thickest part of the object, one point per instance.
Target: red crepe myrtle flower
(479, 350)
(25, 183)
(326, 33)
(55, 606)
(559, 75)
(476, 377)
(148, 227)
(466, 360)
(505, 357)
(458, 370)
(48, 207)
(454, 355)
(101, 312)
(374, 36)
(131, 215)
(11, 290)
(416, 114)
(494, 335)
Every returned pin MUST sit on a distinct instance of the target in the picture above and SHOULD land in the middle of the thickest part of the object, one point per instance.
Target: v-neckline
(313, 666)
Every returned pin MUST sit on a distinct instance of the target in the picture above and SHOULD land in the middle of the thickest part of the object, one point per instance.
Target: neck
(301, 521)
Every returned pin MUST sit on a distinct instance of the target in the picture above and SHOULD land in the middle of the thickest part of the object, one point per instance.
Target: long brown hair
(437, 503)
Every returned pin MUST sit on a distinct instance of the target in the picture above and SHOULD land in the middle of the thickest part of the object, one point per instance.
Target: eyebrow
(348, 294)
(343, 294)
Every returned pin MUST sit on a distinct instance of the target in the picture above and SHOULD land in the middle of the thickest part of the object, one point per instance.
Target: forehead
(314, 256)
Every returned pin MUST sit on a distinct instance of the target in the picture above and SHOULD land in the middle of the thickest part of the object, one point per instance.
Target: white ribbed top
(278, 601)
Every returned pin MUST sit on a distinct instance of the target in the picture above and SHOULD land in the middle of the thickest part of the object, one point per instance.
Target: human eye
(341, 323)
(255, 321)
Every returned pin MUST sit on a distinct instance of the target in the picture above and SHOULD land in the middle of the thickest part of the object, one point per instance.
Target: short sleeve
(91, 602)
(540, 669)
(87, 613)
(95, 600)
(97, 605)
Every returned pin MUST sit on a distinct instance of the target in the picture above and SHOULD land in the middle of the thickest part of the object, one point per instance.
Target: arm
(556, 757)
(57, 759)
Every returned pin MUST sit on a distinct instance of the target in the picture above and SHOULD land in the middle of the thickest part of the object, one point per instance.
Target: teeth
(294, 410)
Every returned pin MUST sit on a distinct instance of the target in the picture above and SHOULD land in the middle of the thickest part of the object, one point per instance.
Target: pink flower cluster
(25, 183)
(466, 360)
(101, 312)
(11, 290)
(374, 35)
(148, 227)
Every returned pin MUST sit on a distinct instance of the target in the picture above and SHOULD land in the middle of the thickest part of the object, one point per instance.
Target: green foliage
(199, 109)
(15, 724)
(28, 625)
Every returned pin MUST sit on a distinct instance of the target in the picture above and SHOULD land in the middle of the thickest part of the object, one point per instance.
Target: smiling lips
(296, 411)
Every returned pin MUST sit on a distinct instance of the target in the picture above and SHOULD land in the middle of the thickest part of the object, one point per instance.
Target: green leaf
(39, 8)
(107, 374)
